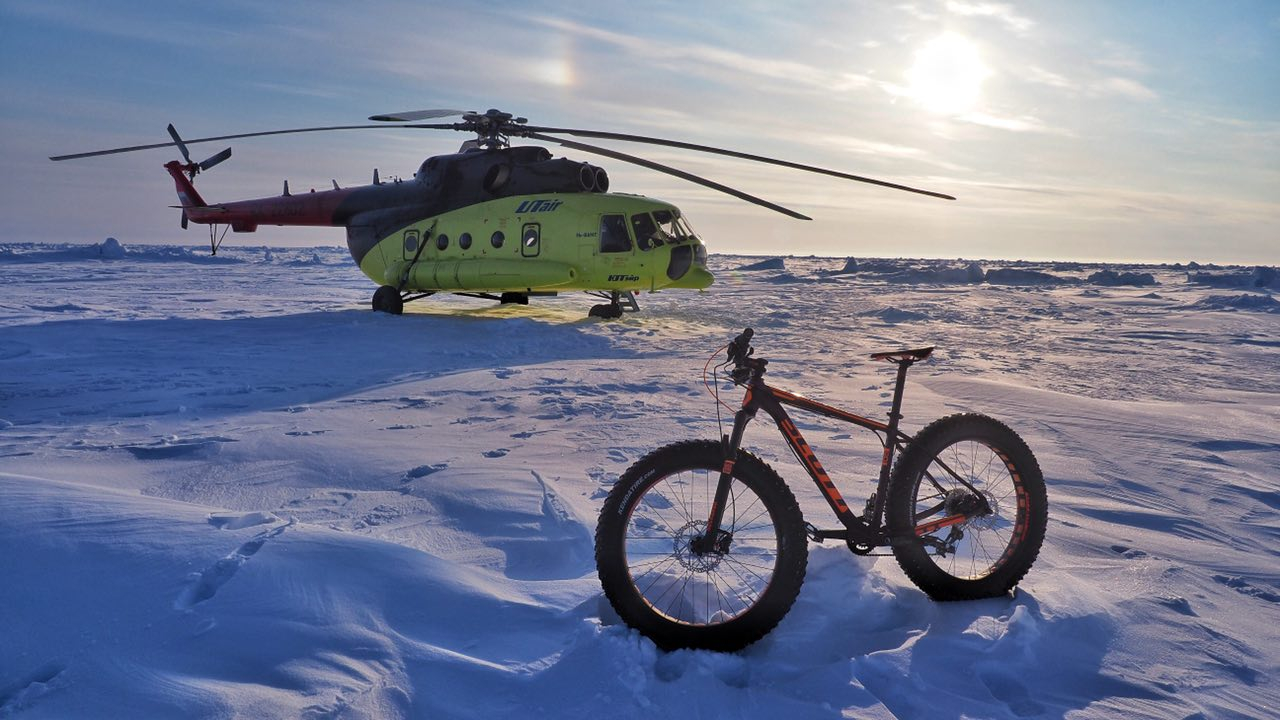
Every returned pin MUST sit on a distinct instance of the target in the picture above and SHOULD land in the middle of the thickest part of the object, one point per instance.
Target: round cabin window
(497, 238)
(464, 241)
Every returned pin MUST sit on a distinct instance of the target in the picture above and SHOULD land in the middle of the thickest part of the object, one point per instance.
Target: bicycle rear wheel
(724, 596)
(955, 543)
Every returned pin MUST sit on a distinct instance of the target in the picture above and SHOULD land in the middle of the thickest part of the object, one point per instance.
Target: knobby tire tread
(913, 557)
(773, 604)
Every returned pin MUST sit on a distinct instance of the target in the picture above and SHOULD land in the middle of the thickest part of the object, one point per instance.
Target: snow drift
(234, 490)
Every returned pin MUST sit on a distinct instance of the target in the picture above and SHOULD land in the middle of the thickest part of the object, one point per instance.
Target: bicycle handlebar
(740, 348)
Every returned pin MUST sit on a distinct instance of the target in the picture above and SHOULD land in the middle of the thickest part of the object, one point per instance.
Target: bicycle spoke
(986, 538)
(691, 587)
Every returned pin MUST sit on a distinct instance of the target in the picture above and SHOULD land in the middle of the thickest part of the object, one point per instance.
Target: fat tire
(615, 574)
(1028, 496)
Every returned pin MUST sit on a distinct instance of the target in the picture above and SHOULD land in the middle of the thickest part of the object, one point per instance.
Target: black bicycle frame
(864, 532)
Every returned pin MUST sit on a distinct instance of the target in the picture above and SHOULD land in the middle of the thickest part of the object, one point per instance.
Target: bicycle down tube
(865, 531)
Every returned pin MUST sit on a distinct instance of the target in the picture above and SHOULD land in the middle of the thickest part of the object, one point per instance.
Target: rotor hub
(493, 128)
(989, 518)
(685, 544)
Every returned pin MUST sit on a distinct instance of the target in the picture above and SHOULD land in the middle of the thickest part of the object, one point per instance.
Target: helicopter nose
(681, 261)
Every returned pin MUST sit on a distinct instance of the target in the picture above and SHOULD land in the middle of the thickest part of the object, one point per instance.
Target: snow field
(229, 489)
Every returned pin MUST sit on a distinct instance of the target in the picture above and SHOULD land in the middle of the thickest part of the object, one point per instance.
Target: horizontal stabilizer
(205, 208)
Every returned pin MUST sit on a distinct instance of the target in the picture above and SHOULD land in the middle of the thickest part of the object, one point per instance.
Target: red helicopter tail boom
(187, 194)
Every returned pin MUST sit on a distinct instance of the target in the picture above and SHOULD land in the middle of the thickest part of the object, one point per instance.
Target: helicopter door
(410, 244)
(531, 240)
(613, 234)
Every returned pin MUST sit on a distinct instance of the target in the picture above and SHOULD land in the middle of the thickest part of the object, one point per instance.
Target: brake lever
(741, 348)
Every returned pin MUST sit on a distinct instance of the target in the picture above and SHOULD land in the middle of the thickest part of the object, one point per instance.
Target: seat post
(895, 412)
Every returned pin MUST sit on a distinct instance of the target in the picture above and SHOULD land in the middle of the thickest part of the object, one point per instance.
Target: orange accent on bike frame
(728, 467)
(811, 463)
(929, 527)
(805, 403)
(1022, 522)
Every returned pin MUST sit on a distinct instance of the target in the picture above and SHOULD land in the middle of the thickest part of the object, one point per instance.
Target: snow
(773, 263)
(229, 489)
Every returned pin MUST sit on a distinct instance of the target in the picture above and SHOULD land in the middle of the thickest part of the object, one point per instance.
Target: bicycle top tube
(786, 397)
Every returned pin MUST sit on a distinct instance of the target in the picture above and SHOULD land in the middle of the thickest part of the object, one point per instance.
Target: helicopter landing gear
(514, 298)
(608, 312)
(618, 302)
(387, 299)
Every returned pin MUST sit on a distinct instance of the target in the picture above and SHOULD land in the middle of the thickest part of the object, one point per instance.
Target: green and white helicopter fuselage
(548, 242)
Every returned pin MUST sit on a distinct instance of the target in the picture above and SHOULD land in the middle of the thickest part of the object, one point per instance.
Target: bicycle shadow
(998, 658)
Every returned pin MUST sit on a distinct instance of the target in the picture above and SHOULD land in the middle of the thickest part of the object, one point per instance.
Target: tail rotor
(193, 168)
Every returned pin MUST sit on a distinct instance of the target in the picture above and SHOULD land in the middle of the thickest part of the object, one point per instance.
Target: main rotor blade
(732, 153)
(416, 115)
(668, 170)
(215, 159)
(133, 148)
(173, 133)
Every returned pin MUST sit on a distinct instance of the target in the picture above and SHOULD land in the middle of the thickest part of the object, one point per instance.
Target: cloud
(1125, 87)
(1123, 203)
(871, 148)
(1122, 58)
(1023, 123)
(699, 57)
(1000, 11)
(917, 13)
(1040, 76)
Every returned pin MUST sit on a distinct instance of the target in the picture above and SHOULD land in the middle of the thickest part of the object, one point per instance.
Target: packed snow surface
(228, 489)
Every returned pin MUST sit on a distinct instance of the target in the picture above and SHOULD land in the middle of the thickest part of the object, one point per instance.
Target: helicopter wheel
(387, 299)
(608, 311)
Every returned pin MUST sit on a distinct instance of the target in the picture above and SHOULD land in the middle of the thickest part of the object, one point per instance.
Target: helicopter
(491, 221)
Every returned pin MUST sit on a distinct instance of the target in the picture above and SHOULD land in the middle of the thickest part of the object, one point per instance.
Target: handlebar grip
(740, 348)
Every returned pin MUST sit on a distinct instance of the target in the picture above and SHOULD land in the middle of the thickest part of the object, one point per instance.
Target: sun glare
(947, 75)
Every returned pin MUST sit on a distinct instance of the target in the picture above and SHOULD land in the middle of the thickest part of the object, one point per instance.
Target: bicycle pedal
(813, 533)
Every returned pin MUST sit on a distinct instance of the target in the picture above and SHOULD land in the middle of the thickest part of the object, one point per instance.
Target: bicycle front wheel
(967, 508)
(663, 575)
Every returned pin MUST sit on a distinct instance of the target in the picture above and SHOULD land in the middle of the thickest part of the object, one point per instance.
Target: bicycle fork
(714, 539)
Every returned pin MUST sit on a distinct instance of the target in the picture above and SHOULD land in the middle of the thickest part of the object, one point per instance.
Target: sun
(947, 75)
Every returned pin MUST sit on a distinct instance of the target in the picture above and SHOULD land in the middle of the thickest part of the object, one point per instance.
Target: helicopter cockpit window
(647, 234)
(613, 234)
(672, 227)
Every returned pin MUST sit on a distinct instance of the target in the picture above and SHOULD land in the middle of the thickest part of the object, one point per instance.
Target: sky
(1090, 130)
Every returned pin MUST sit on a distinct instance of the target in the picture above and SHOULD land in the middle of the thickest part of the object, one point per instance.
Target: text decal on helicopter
(492, 220)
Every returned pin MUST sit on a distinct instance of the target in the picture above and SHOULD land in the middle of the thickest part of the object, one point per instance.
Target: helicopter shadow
(66, 369)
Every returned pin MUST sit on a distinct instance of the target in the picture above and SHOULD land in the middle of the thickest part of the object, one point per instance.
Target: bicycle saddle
(903, 355)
